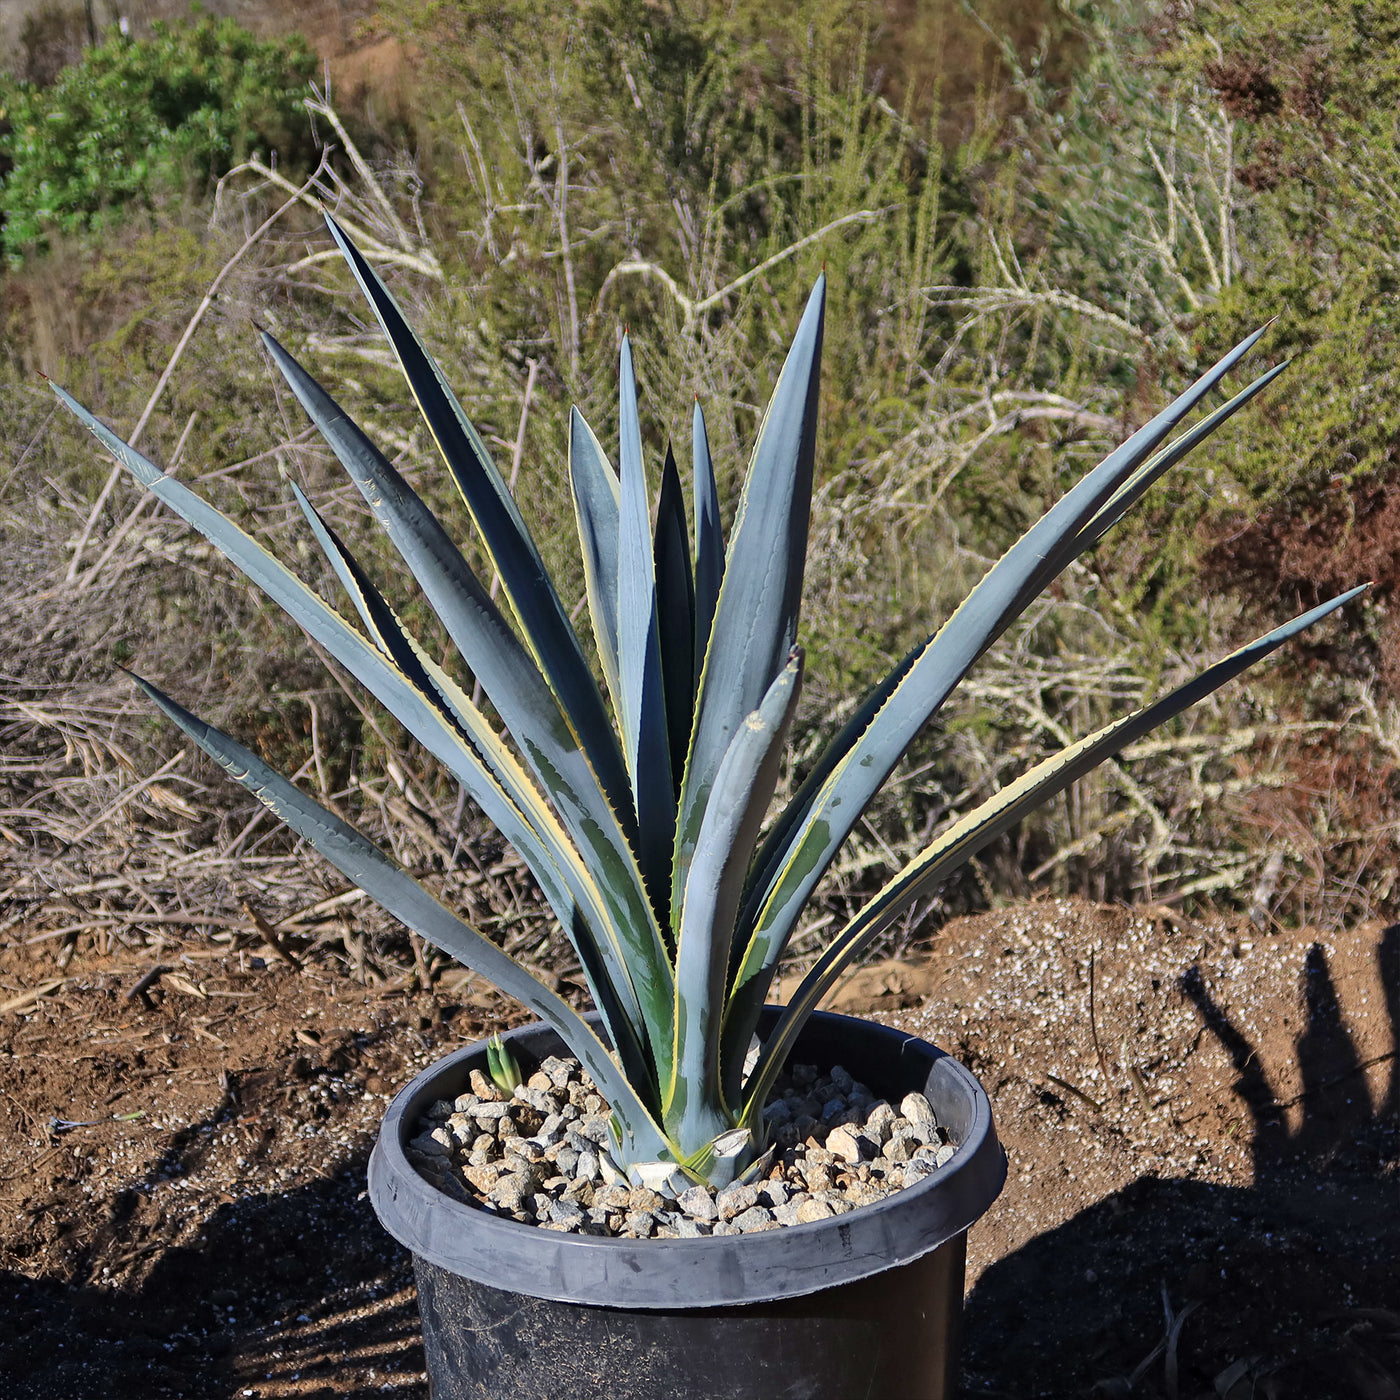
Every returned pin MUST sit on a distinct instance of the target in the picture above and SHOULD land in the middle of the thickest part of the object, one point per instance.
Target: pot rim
(712, 1271)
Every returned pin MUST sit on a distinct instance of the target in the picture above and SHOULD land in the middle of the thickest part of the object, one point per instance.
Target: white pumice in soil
(540, 1156)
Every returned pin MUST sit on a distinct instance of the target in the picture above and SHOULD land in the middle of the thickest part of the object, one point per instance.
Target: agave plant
(645, 827)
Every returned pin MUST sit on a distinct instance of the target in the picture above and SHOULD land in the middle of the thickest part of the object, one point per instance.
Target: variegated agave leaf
(640, 825)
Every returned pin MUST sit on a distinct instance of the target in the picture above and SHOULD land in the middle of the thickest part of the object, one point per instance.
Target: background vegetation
(1038, 223)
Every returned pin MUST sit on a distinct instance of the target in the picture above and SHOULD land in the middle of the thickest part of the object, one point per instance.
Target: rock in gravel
(917, 1109)
(754, 1219)
(643, 1198)
(844, 1143)
(613, 1197)
(567, 1213)
(558, 1069)
(437, 1143)
(812, 1209)
(735, 1199)
(772, 1193)
(640, 1223)
(533, 1097)
(698, 1204)
(509, 1192)
(594, 1126)
(485, 1177)
(483, 1088)
(901, 1146)
(916, 1169)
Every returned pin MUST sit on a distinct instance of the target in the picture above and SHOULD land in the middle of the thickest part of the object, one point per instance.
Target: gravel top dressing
(540, 1157)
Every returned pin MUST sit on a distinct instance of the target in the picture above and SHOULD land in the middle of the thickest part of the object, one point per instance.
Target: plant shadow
(1286, 1290)
(296, 1293)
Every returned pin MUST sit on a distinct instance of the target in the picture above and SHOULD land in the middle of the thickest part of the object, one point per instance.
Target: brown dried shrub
(1266, 170)
(1246, 90)
(1349, 533)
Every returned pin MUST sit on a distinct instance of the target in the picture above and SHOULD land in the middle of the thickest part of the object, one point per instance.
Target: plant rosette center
(539, 1156)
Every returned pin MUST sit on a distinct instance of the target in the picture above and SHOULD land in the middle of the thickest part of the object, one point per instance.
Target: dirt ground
(1203, 1127)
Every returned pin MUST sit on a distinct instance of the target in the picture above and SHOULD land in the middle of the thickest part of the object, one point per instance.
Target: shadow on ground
(1287, 1290)
(294, 1294)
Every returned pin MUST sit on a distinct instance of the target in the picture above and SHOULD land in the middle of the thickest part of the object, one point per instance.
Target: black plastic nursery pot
(864, 1306)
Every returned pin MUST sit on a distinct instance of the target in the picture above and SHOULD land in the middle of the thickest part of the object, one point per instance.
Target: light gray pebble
(510, 1191)
(754, 1219)
(787, 1214)
(879, 1130)
(881, 1111)
(698, 1204)
(538, 1099)
(917, 1109)
(916, 1170)
(437, 1143)
(560, 1071)
(735, 1199)
(594, 1126)
(640, 1223)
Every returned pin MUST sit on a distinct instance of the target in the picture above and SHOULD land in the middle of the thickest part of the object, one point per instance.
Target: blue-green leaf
(547, 631)
(643, 710)
(693, 1104)
(709, 537)
(979, 828)
(361, 862)
(675, 615)
(755, 623)
(1151, 471)
(536, 835)
(510, 678)
(810, 844)
(597, 500)
(621, 908)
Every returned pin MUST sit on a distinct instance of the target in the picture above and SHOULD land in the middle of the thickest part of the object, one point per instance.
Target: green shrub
(140, 117)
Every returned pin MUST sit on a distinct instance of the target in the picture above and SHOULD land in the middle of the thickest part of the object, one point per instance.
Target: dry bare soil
(1203, 1125)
